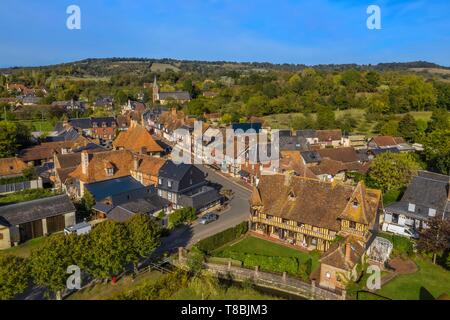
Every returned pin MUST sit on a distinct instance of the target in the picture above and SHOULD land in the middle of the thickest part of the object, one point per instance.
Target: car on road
(207, 218)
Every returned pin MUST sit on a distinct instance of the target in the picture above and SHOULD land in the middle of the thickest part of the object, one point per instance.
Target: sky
(34, 32)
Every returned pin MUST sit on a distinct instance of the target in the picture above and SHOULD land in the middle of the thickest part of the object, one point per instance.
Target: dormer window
(291, 196)
(94, 124)
(431, 212)
(160, 181)
(411, 207)
(109, 171)
(355, 204)
(104, 124)
(169, 183)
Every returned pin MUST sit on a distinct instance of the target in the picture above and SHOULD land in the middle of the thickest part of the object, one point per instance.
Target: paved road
(238, 211)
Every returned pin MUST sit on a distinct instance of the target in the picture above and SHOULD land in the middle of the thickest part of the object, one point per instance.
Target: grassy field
(279, 121)
(24, 250)
(105, 291)
(429, 282)
(259, 246)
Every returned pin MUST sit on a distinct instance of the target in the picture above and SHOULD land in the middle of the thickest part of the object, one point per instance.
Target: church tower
(155, 91)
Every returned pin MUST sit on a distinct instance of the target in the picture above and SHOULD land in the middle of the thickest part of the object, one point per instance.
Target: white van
(78, 229)
(400, 230)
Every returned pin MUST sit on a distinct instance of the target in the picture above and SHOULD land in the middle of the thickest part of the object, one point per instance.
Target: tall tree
(392, 171)
(110, 250)
(325, 118)
(407, 127)
(440, 120)
(435, 239)
(437, 150)
(14, 276)
(144, 234)
(50, 261)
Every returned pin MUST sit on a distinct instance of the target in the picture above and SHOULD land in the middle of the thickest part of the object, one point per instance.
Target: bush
(181, 216)
(267, 263)
(224, 260)
(215, 241)
(402, 245)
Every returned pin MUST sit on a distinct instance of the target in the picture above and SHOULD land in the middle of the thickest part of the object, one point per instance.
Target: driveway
(238, 210)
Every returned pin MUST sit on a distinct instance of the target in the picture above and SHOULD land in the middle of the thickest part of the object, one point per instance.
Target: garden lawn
(24, 250)
(106, 291)
(263, 247)
(429, 282)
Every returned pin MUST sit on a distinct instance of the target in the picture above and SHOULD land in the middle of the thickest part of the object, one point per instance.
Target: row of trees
(101, 254)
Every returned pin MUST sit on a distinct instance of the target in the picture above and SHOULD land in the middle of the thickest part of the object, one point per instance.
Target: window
(352, 224)
(1, 236)
(431, 212)
(269, 217)
(411, 207)
(169, 183)
(328, 275)
(169, 195)
(159, 181)
(109, 171)
(160, 193)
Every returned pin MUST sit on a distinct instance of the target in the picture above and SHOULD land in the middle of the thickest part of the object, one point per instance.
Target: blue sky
(33, 32)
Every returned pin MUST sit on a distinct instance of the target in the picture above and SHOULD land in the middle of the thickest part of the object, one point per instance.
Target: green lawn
(430, 281)
(263, 247)
(232, 293)
(25, 195)
(105, 291)
(24, 250)
(282, 121)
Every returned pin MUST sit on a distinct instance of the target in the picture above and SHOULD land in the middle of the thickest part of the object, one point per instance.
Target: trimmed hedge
(402, 245)
(219, 239)
(278, 264)
(224, 260)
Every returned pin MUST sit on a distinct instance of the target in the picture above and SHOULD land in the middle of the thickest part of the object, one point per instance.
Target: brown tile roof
(120, 160)
(329, 135)
(47, 149)
(346, 154)
(135, 139)
(336, 255)
(292, 160)
(149, 165)
(384, 141)
(11, 166)
(68, 160)
(363, 205)
(328, 166)
(316, 203)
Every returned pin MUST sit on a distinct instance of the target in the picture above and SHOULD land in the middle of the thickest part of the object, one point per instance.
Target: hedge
(219, 239)
(402, 245)
(290, 265)
(224, 260)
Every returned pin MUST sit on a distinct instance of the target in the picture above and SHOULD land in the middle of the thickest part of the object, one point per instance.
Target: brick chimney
(135, 163)
(85, 158)
(348, 251)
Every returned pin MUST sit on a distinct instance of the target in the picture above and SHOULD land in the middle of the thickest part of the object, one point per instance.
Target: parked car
(401, 230)
(207, 218)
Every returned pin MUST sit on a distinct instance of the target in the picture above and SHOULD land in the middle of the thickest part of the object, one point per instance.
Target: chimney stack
(135, 163)
(348, 251)
(85, 157)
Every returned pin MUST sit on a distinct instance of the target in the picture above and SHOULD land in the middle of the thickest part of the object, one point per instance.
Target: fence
(19, 186)
(282, 283)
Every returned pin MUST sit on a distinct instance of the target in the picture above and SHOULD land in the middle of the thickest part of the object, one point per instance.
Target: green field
(24, 250)
(280, 121)
(429, 282)
(262, 247)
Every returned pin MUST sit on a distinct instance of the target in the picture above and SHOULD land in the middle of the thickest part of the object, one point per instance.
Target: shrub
(181, 216)
(402, 245)
(267, 263)
(219, 239)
